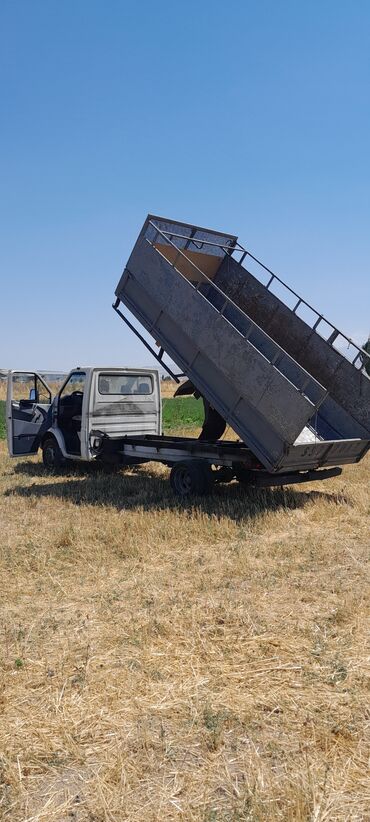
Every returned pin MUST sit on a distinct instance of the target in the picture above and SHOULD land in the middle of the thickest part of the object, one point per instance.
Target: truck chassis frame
(196, 465)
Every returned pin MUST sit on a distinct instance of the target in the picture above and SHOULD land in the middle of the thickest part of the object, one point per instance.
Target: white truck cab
(115, 401)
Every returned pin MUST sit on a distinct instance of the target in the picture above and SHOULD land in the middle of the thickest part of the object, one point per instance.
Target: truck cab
(63, 423)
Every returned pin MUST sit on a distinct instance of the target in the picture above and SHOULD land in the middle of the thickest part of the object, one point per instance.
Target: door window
(22, 386)
(74, 386)
(30, 388)
(43, 395)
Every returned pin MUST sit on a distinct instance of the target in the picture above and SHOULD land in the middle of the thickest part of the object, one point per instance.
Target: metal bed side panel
(346, 384)
(323, 454)
(337, 420)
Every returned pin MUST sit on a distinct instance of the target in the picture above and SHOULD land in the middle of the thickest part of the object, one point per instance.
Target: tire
(52, 456)
(243, 475)
(191, 477)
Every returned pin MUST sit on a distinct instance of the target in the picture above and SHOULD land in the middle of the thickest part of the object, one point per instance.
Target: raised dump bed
(290, 395)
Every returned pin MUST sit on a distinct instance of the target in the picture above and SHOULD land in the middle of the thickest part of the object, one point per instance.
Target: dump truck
(290, 384)
(292, 387)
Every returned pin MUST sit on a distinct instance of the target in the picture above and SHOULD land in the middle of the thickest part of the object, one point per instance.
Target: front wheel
(52, 456)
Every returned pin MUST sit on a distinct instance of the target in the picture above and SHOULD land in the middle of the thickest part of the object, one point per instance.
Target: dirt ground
(163, 660)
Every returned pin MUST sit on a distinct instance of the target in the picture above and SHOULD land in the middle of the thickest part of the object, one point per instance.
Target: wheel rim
(183, 482)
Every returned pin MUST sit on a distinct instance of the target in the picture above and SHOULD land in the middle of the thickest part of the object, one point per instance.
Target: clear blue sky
(253, 117)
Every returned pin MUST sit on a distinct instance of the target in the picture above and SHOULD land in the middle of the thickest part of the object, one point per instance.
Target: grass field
(161, 660)
(182, 412)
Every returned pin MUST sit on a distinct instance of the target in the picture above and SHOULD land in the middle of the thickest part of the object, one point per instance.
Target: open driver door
(28, 412)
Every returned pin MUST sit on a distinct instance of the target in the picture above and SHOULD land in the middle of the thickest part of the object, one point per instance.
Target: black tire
(243, 475)
(190, 477)
(52, 456)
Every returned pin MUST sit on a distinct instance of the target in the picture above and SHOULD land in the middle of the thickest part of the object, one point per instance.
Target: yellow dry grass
(168, 388)
(182, 661)
(21, 390)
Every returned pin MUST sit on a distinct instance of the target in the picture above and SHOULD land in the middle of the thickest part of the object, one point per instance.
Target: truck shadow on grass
(146, 489)
(37, 469)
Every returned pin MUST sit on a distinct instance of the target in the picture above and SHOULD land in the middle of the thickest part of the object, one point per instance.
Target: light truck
(116, 401)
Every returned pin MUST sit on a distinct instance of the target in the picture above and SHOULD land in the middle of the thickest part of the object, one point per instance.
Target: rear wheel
(244, 475)
(191, 477)
(52, 456)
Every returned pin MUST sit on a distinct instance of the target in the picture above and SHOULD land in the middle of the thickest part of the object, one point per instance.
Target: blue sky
(252, 117)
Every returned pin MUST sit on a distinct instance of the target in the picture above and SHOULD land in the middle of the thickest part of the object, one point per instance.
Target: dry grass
(21, 390)
(168, 388)
(171, 661)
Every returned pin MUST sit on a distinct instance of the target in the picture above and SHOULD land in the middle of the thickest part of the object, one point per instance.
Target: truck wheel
(244, 475)
(191, 477)
(52, 456)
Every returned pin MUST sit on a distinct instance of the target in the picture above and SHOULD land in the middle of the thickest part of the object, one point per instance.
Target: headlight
(96, 441)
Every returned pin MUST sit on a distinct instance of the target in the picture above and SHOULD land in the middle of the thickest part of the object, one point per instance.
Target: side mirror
(32, 395)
